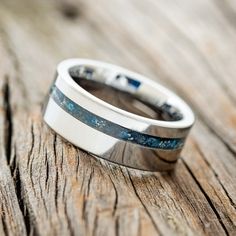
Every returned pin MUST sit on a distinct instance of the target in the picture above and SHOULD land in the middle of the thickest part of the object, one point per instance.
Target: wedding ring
(113, 133)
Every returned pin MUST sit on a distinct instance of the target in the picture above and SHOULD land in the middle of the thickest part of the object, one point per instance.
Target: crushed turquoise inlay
(111, 128)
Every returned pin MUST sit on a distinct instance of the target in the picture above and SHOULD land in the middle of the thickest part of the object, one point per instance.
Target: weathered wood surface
(48, 187)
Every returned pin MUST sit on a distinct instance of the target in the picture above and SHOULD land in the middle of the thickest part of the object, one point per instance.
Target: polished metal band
(110, 132)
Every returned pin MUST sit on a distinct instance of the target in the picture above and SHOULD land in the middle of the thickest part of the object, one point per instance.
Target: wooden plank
(11, 207)
(62, 190)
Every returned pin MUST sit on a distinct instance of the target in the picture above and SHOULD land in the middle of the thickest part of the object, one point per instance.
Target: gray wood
(49, 187)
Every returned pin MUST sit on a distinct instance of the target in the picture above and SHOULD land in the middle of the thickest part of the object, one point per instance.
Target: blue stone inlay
(134, 82)
(70, 106)
(111, 128)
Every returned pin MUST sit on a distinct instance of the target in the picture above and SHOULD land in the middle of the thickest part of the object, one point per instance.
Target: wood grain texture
(49, 187)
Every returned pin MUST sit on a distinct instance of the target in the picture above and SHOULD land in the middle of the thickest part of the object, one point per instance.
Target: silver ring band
(112, 133)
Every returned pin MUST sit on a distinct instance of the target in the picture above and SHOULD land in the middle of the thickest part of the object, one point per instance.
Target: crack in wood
(30, 229)
(144, 206)
(69, 222)
(8, 120)
(215, 174)
(11, 160)
(85, 198)
(70, 11)
(5, 40)
(31, 147)
(56, 172)
(208, 199)
(117, 226)
(4, 224)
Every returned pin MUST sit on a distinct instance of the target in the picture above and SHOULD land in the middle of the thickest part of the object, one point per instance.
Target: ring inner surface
(124, 92)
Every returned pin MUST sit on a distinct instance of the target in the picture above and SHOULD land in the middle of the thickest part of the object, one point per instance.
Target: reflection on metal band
(142, 158)
(111, 128)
